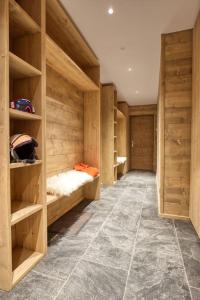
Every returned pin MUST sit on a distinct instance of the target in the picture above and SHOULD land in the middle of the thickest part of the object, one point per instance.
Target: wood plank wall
(175, 100)
(195, 151)
(64, 139)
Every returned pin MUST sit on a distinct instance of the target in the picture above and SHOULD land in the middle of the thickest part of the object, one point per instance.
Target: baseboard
(176, 217)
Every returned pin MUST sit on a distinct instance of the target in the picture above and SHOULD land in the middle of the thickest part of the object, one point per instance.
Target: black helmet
(22, 148)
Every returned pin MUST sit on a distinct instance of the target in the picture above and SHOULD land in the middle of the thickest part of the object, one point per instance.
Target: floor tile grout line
(48, 276)
(133, 252)
(193, 287)
(100, 264)
(186, 277)
(79, 260)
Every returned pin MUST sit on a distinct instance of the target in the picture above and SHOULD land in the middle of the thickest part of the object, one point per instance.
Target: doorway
(142, 143)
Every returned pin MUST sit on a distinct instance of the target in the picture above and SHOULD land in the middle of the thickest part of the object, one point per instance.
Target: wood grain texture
(175, 123)
(5, 209)
(142, 142)
(124, 108)
(195, 150)
(141, 110)
(65, 124)
(146, 110)
(108, 133)
(65, 33)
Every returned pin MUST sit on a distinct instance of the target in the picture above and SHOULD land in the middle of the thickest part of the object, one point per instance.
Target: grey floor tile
(62, 256)
(110, 250)
(92, 281)
(185, 230)
(34, 287)
(150, 283)
(191, 257)
(195, 293)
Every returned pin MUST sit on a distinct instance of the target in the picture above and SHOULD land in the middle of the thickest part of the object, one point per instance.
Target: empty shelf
(23, 261)
(20, 68)
(66, 67)
(22, 210)
(20, 115)
(23, 165)
(21, 22)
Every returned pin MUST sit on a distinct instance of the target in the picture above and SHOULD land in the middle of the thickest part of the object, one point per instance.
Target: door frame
(144, 110)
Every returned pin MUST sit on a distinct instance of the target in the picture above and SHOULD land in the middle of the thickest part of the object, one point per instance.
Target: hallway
(122, 251)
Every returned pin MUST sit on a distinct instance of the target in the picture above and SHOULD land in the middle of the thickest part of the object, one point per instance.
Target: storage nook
(109, 133)
(23, 210)
(121, 143)
(73, 108)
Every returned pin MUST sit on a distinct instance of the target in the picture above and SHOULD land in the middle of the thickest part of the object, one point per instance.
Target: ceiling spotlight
(110, 11)
(137, 92)
(129, 69)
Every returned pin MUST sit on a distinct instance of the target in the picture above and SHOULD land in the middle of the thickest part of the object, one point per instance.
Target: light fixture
(137, 92)
(110, 11)
(130, 69)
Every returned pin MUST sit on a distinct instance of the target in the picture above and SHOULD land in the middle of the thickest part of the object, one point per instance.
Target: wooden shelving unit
(24, 165)
(64, 65)
(21, 22)
(109, 134)
(23, 218)
(20, 115)
(73, 70)
(22, 210)
(20, 68)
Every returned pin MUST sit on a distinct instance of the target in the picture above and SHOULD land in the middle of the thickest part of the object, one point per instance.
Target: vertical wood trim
(5, 209)
(92, 138)
(195, 143)
(161, 126)
(43, 107)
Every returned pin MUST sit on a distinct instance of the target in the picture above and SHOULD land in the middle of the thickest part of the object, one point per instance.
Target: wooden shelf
(65, 66)
(24, 165)
(21, 23)
(20, 68)
(21, 210)
(23, 261)
(20, 115)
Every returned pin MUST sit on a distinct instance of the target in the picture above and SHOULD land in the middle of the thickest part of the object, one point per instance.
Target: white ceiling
(131, 38)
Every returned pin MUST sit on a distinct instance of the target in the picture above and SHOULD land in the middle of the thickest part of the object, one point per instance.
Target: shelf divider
(20, 68)
(22, 210)
(20, 115)
(21, 22)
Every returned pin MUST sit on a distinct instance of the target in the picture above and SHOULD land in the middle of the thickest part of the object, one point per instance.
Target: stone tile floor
(124, 251)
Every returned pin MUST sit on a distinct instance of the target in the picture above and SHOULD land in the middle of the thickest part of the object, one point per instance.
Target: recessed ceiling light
(129, 69)
(137, 92)
(110, 11)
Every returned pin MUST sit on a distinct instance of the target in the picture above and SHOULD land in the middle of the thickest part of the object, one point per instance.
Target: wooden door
(142, 142)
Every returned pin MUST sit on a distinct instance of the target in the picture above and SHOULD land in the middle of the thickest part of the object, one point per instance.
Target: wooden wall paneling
(195, 144)
(65, 124)
(175, 107)
(124, 108)
(160, 132)
(5, 210)
(92, 133)
(108, 133)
